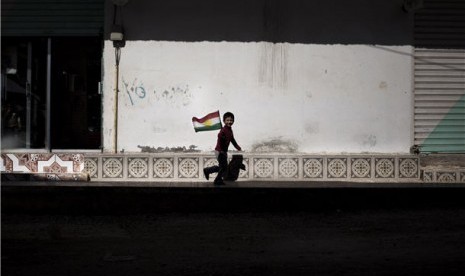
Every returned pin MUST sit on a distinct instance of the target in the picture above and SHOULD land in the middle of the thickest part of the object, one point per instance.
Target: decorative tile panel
(54, 168)
(188, 167)
(447, 177)
(408, 168)
(77, 159)
(337, 167)
(313, 167)
(462, 177)
(91, 166)
(288, 167)
(42, 162)
(138, 167)
(163, 167)
(384, 168)
(428, 176)
(361, 167)
(61, 163)
(112, 167)
(180, 167)
(263, 167)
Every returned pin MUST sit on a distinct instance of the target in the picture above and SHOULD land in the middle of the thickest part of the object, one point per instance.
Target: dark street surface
(374, 238)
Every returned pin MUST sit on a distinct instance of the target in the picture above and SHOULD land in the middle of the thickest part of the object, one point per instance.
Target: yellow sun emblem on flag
(208, 123)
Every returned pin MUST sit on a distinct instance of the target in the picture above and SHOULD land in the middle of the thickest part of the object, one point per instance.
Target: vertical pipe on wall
(117, 37)
(49, 73)
(115, 127)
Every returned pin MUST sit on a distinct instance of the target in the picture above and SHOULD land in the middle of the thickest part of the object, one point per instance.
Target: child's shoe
(206, 174)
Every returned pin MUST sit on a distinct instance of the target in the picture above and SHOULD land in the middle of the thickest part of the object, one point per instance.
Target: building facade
(320, 90)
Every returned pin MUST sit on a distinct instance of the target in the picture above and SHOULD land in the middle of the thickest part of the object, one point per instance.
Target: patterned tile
(428, 176)
(446, 177)
(337, 167)
(263, 167)
(188, 167)
(55, 167)
(56, 164)
(2, 162)
(313, 167)
(7, 163)
(42, 162)
(288, 167)
(22, 162)
(138, 167)
(112, 167)
(91, 166)
(360, 167)
(163, 167)
(462, 177)
(385, 168)
(408, 167)
(76, 159)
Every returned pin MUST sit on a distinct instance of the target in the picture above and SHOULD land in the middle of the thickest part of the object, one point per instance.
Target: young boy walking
(225, 137)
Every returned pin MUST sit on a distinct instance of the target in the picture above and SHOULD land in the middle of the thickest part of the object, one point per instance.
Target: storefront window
(23, 93)
(64, 114)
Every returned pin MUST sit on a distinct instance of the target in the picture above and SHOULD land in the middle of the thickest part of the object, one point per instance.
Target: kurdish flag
(210, 122)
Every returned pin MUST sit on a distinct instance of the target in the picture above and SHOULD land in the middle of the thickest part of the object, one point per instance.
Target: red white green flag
(209, 122)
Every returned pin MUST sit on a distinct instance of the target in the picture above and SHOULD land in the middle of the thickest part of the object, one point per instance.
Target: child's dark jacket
(225, 137)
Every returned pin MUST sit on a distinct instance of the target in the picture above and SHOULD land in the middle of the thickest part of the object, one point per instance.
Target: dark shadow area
(76, 101)
(24, 96)
(143, 200)
(226, 231)
(294, 21)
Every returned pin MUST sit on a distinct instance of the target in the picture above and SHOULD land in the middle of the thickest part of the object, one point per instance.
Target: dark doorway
(24, 92)
(76, 99)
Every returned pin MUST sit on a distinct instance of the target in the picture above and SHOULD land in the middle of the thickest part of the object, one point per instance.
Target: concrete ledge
(7, 177)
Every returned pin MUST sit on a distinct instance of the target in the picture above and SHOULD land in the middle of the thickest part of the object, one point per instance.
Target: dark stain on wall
(192, 148)
(275, 145)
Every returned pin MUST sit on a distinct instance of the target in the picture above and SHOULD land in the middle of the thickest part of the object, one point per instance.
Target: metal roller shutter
(52, 17)
(440, 76)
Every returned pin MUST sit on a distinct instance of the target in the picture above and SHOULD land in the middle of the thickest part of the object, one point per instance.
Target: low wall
(187, 167)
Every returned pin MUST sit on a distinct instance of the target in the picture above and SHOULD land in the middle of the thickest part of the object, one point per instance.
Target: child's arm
(233, 141)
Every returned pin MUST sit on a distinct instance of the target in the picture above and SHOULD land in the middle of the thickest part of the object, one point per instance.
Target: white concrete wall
(308, 98)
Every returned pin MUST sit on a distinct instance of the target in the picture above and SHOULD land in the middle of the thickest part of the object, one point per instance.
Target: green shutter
(52, 17)
(440, 76)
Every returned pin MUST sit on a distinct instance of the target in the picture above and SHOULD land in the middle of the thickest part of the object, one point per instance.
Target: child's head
(228, 118)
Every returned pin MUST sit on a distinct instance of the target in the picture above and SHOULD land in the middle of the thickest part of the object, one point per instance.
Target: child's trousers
(222, 158)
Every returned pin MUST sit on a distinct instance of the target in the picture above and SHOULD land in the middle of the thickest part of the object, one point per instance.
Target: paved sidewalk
(237, 184)
(130, 199)
(401, 242)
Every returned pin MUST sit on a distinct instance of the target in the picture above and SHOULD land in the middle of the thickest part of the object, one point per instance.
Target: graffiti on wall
(135, 89)
(137, 92)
